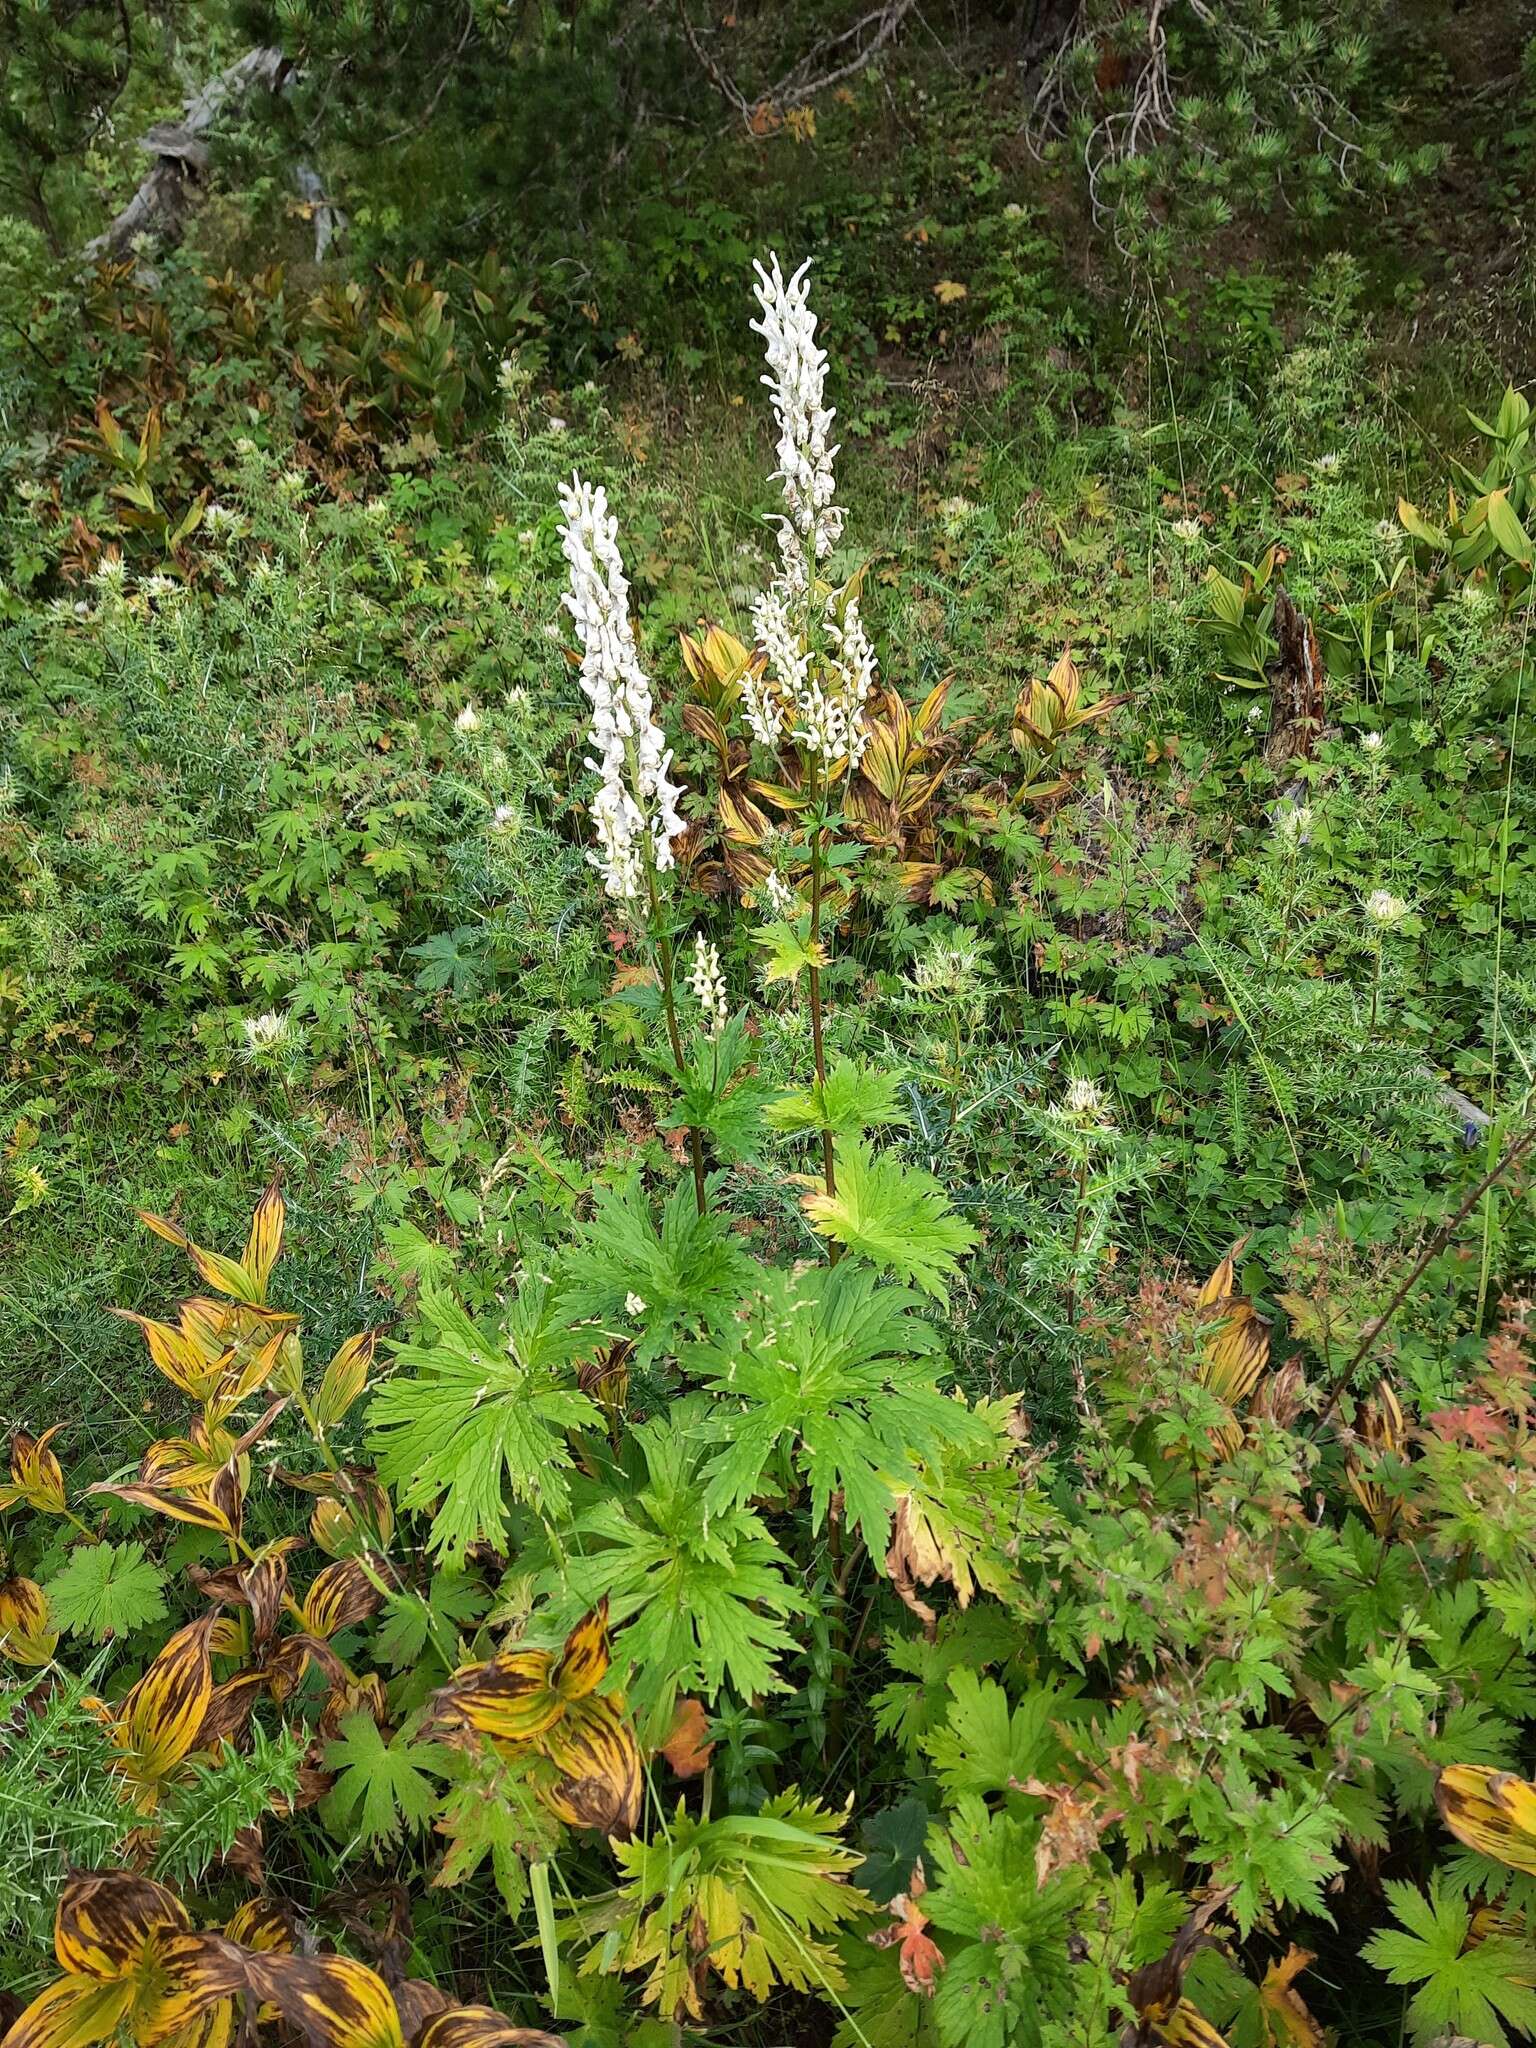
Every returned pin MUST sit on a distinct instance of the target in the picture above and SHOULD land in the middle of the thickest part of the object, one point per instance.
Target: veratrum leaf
(483, 1415)
(898, 1217)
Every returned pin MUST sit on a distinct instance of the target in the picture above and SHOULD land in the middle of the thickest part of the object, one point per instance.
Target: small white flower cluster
(635, 811)
(780, 898)
(822, 693)
(1384, 910)
(468, 720)
(708, 984)
(796, 380)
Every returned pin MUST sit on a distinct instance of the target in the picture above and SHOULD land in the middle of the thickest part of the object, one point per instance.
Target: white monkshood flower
(1384, 910)
(635, 811)
(781, 899)
(1372, 742)
(853, 663)
(468, 720)
(634, 1304)
(708, 984)
(796, 380)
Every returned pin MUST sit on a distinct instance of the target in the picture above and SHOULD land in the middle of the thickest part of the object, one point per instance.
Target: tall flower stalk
(806, 699)
(634, 812)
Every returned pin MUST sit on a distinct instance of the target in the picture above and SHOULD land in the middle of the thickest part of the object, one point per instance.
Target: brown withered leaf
(1071, 1827)
(687, 1747)
(920, 1957)
(1287, 2021)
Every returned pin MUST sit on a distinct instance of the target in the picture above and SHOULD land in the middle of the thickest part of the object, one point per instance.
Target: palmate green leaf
(107, 1589)
(1275, 1847)
(988, 1745)
(1470, 1991)
(898, 1217)
(388, 1786)
(704, 1595)
(481, 1415)
(716, 1095)
(855, 1099)
(759, 1892)
(687, 1271)
(824, 1377)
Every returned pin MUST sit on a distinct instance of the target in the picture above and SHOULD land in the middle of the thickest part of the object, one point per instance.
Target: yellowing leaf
(1492, 1812)
(948, 292)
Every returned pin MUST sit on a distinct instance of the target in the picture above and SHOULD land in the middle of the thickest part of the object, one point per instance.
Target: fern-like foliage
(482, 1415)
(687, 1271)
(898, 1217)
(825, 1376)
(705, 1594)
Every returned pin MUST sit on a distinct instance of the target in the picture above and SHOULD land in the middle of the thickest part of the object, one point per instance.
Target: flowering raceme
(634, 813)
(821, 691)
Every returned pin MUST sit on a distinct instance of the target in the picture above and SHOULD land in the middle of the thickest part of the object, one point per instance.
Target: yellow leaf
(948, 292)
(584, 1659)
(593, 1747)
(1492, 1812)
(265, 1240)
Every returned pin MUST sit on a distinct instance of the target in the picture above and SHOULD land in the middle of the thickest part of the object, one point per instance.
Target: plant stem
(1431, 1251)
(818, 1045)
(667, 963)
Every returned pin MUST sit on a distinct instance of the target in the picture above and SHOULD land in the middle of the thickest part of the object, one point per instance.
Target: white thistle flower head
(267, 1035)
(634, 1304)
(1329, 464)
(1390, 535)
(708, 984)
(635, 811)
(1084, 1098)
(796, 381)
(1384, 910)
(1188, 531)
(468, 720)
(503, 818)
(110, 573)
(1294, 824)
(1371, 742)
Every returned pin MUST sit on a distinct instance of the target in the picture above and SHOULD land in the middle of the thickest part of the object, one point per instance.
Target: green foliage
(896, 1216)
(1476, 1988)
(485, 1417)
(107, 1589)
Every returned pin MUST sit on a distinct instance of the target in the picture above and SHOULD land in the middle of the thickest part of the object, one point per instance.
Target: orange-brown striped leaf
(331, 2000)
(594, 1749)
(341, 1594)
(163, 1714)
(510, 1698)
(191, 1369)
(227, 1275)
(584, 1659)
(1491, 1811)
(105, 1917)
(265, 1240)
(37, 1479)
(345, 1378)
(26, 1635)
(477, 2026)
(72, 2013)
(262, 1924)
